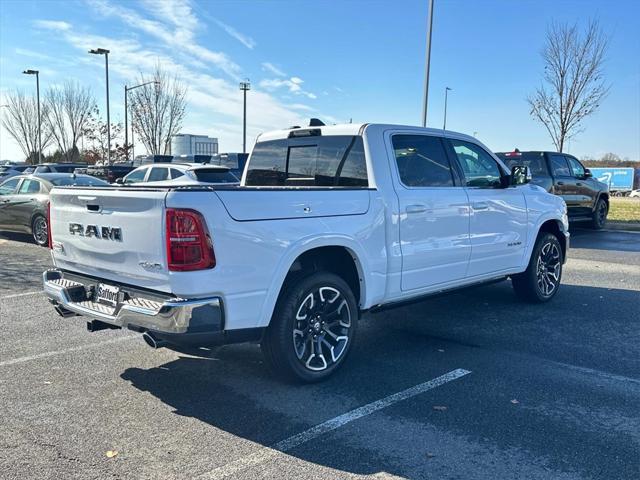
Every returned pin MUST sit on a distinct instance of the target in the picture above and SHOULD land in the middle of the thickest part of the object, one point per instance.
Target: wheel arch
(556, 228)
(605, 196)
(36, 213)
(339, 255)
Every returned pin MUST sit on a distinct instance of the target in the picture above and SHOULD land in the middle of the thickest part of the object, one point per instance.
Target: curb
(622, 226)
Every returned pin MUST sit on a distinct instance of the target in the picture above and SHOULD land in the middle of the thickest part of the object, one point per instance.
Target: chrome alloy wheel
(321, 328)
(40, 233)
(548, 269)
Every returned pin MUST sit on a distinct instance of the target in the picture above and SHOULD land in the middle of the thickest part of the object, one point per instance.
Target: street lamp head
(246, 85)
(30, 72)
(99, 51)
(448, 88)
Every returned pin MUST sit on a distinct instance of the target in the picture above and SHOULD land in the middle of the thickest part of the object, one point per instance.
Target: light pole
(446, 92)
(37, 74)
(126, 129)
(102, 51)
(427, 64)
(244, 86)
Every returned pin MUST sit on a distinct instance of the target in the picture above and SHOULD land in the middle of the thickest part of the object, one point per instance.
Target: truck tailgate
(110, 233)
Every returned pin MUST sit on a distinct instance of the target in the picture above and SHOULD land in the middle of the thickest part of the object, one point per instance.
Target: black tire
(599, 216)
(307, 320)
(39, 230)
(540, 282)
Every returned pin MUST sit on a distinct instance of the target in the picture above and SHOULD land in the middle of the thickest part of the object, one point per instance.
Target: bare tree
(68, 108)
(158, 110)
(95, 132)
(573, 73)
(21, 121)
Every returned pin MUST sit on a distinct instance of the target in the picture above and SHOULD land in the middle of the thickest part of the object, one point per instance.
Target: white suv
(178, 173)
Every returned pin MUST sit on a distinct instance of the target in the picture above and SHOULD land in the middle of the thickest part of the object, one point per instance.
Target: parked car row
(24, 200)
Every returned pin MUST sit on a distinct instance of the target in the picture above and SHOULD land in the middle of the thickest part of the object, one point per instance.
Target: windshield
(78, 180)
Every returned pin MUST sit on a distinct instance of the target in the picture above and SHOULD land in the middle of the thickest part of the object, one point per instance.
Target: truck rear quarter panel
(254, 255)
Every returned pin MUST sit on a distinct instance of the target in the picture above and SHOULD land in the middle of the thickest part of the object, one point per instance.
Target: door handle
(480, 206)
(579, 184)
(416, 208)
(559, 183)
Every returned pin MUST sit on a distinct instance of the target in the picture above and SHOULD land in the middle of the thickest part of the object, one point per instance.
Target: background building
(187, 144)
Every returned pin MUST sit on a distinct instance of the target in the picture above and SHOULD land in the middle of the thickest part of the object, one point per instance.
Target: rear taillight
(189, 245)
(49, 225)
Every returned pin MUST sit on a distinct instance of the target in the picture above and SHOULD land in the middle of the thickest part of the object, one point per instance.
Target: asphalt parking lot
(487, 387)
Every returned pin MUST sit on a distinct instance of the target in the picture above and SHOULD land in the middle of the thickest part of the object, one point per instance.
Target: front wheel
(541, 280)
(40, 230)
(312, 329)
(599, 217)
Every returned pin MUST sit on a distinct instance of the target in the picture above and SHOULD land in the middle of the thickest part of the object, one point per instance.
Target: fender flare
(299, 248)
(542, 220)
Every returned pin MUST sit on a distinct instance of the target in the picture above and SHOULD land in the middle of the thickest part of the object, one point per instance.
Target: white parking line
(65, 351)
(265, 454)
(20, 295)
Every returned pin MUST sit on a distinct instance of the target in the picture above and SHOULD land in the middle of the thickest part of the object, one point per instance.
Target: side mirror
(587, 173)
(120, 181)
(520, 175)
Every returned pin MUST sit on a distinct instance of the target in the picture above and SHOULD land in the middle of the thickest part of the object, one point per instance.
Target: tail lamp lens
(189, 245)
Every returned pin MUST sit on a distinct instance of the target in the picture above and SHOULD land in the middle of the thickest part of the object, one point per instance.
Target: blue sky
(338, 60)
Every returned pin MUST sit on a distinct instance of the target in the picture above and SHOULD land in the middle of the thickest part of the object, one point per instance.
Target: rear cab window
(315, 161)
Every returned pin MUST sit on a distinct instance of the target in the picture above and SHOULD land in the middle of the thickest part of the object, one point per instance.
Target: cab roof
(352, 129)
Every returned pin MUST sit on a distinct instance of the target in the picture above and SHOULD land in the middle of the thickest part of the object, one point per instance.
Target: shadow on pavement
(604, 240)
(234, 392)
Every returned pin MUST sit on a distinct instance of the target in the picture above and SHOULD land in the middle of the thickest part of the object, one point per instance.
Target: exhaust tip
(153, 342)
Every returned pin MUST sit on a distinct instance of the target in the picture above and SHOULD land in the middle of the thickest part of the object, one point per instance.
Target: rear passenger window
(158, 174)
(332, 161)
(559, 166)
(29, 186)
(422, 161)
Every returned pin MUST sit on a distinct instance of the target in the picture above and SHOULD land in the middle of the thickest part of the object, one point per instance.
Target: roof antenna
(314, 122)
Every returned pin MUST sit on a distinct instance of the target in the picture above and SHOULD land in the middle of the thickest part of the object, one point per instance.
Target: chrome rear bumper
(136, 310)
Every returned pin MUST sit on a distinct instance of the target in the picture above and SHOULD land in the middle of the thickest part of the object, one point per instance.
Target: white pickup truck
(327, 223)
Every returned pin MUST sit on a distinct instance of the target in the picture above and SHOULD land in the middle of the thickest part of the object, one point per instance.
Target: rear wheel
(312, 328)
(599, 217)
(541, 280)
(40, 231)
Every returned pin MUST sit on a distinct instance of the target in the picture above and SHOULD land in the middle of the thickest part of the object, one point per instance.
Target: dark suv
(587, 199)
